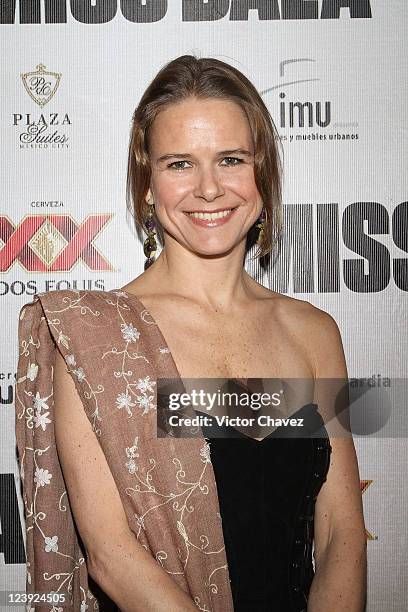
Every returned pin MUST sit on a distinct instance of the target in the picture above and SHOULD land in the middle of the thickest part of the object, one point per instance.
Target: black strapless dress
(267, 492)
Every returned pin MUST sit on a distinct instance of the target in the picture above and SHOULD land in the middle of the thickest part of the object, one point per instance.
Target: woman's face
(202, 160)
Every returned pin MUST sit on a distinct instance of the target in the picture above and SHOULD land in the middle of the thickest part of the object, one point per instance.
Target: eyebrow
(188, 156)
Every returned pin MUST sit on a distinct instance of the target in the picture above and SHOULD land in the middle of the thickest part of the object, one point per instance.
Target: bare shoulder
(301, 313)
(316, 330)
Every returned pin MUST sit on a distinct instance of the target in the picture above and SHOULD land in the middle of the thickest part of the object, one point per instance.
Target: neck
(218, 282)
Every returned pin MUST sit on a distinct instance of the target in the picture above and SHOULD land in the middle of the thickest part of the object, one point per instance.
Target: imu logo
(52, 243)
(296, 113)
(315, 114)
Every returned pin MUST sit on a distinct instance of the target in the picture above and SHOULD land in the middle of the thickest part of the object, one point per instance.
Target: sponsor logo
(37, 130)
(52, 243)
(41, 85)
(300, 118)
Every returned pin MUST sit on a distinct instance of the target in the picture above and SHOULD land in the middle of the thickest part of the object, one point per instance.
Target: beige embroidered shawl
(115, 352)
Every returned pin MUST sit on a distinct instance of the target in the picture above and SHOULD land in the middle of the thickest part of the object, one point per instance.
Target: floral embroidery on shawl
(114, 352)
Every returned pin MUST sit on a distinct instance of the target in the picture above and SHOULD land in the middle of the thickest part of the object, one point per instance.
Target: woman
(202, 143)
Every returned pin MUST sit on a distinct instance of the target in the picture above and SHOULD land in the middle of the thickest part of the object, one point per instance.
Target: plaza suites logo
(41, 85)
(40, 129)
(299, 111)
(52, 243)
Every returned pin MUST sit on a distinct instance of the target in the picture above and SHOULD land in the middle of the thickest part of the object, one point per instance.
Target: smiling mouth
(210, 216)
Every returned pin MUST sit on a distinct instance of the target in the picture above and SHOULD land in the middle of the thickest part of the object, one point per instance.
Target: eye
(173, 165)
(237, 159)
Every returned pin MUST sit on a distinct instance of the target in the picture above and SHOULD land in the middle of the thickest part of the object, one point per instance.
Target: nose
(208, 184)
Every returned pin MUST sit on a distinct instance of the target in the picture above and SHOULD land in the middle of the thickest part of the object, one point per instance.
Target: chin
(212, 253)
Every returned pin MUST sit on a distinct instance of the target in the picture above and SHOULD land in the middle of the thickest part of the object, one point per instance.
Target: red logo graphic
(52, 243)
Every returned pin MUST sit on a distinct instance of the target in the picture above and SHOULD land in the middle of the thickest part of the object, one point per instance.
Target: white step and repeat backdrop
(334, 75)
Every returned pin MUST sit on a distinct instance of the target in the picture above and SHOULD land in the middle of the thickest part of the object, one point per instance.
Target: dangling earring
(150, 244)
(261, 225)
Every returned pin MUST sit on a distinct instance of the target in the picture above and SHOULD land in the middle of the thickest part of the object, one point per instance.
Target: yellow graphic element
(364, 484)
(47, 242)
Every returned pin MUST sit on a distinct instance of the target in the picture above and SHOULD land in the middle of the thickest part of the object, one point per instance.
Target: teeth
(210, 216)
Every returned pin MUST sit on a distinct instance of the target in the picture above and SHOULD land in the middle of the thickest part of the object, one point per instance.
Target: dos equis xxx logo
(52, 243)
